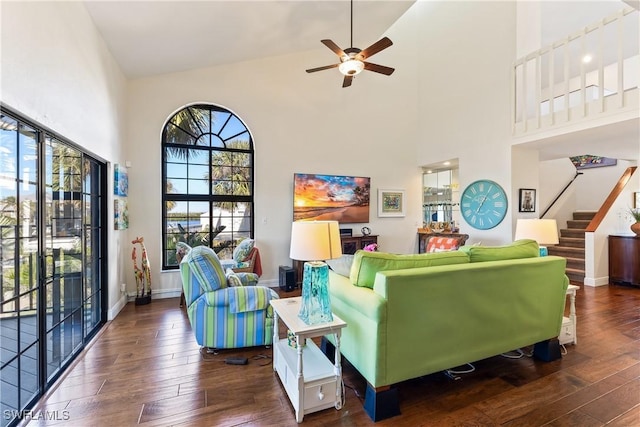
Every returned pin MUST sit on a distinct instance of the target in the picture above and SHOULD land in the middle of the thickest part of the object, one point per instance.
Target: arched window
(207, 181)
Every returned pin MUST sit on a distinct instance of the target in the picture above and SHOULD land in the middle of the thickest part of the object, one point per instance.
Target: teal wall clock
(483, 204)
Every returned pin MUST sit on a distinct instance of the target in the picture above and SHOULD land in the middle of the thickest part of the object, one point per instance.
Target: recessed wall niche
(440, 196)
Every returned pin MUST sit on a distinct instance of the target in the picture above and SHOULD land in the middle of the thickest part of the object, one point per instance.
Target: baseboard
(272, 283)
(599, 281)
(118, 306)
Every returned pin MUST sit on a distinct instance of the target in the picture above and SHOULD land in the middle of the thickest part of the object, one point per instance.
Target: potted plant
(635, 214)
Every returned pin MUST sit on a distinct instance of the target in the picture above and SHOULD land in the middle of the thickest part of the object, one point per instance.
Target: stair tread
(571, 258)
(567, 248)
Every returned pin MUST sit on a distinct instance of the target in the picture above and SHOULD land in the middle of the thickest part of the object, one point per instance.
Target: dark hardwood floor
(145, 368)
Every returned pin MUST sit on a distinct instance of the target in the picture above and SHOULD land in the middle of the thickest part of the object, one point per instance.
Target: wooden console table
(624, 259)
(350, 244)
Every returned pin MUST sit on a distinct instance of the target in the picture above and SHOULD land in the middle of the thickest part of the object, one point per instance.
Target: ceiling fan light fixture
(351, 67)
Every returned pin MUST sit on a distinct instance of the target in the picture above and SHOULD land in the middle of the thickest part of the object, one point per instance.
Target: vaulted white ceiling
(157, 37)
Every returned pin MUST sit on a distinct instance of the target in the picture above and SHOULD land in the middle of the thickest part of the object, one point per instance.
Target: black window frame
(210, 139)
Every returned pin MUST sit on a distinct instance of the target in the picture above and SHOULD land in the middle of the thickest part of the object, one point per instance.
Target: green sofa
(413, 315)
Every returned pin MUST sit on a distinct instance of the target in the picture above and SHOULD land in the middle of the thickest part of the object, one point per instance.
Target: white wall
(554, 176)
(464, 57)
(525, 162)
(56, 70)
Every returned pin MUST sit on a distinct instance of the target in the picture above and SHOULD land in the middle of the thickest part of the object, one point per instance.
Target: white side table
(311, 381)
(568, 331)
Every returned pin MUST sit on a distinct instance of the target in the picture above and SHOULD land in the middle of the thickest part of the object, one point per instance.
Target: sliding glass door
(52, 275)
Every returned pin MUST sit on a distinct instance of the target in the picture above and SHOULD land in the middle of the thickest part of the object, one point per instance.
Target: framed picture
(120, 180)
(391, 203)
(331, 197)
(527, 200)
(120, 214)
(636, 200)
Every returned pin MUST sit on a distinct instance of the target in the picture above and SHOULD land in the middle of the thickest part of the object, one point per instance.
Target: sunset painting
(329, 197)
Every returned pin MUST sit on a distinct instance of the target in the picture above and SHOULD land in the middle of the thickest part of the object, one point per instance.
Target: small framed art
(390, 203)
(120, 214)
(527, 200)
(636, 200)
(120, 180)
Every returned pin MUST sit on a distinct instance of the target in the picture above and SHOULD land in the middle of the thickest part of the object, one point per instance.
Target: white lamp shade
(315, 240)
(543, 231)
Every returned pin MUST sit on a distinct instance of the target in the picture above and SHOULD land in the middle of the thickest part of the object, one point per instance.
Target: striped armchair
(223, 316)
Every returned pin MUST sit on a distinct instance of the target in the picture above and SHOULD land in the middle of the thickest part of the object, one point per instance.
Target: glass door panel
(52, 266)
(19, 343)
(93, 254)
(64, 249)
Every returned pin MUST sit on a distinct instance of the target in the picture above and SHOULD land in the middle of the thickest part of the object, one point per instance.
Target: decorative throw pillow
(341, 265)
(232, 278)
(248, 279)
(241, 252)
(441, 244)
(206, 267)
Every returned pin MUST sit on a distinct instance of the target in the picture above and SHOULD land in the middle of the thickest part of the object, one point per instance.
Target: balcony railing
(594, 72)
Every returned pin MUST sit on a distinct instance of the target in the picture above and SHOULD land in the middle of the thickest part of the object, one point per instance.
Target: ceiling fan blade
(326, 67)
(347, 81)
(381, 44)
(379, 68)
(334, 47)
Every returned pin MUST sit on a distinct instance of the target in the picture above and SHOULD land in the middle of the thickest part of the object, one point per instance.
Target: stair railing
(556, 85)
(560, 194)
(608, 203)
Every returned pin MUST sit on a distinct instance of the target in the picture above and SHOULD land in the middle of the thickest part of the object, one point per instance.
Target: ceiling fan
(352, 59)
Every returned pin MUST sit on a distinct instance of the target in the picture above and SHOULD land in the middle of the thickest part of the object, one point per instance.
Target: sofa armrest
(358, 298)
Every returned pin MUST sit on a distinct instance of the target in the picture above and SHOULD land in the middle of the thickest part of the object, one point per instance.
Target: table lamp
(315, 242)
(543, 231)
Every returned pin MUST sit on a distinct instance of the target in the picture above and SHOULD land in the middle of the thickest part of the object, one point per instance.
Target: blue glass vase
(315, 307)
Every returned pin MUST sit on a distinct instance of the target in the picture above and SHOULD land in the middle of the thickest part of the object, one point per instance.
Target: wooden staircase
(571, 244)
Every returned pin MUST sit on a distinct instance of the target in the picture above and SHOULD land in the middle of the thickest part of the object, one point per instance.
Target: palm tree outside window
(207, 181)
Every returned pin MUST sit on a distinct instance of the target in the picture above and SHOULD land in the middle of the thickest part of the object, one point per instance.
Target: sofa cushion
(205, 266)
(241, 252)
(525, 248)
(441, 244)
(341, 265)
(367, 264)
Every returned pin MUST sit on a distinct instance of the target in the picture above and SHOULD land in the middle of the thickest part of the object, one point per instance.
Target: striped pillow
(232, 278)
(206, 267)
